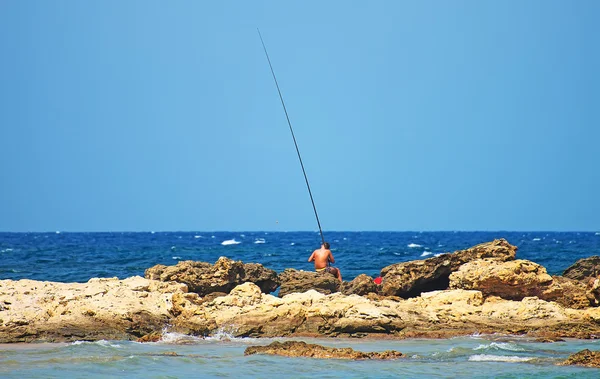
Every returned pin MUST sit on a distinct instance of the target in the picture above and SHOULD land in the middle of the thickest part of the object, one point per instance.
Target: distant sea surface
(77, 257)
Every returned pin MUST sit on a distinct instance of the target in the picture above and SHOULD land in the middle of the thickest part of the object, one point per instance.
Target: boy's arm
(312, 257)
(331, 259)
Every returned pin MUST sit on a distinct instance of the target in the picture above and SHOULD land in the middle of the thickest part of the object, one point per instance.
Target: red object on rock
(377, 280)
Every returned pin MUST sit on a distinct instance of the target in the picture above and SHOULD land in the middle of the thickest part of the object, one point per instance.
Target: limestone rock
(294, 281)
(98, 309)
(303, 349)
(410, 279)
(585, 358)
(586, 268)
(515, 280)
(512, 280)
(361, 285)
(204, 278)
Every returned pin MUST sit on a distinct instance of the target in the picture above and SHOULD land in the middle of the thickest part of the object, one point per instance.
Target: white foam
(500, 346)
(293, 243)
(438, 254)
(413, 245)
(426, 253)
(58, 232)
(230, 242)
(537, 239)
(176, 258)
(198, 237)
(6, 250)
(498, 358)
(598, 233)
(178, 339)
(104, 343)
(260, 240)
(242, 235)
(152, 232)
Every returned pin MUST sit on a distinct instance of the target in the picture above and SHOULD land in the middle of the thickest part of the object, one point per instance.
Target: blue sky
(410, 115)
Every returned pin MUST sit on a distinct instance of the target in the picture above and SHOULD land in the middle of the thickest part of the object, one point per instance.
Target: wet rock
(150, 337)
(204, 278)
(303, 349)
(585, 358)
(586, 268)
(294, 281)
(515, 280)
(410, 279)
(361, 285)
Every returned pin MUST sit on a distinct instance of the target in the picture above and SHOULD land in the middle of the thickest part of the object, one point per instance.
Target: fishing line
(293, 137)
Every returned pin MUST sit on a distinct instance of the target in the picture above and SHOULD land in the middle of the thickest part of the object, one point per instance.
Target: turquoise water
(465, 357)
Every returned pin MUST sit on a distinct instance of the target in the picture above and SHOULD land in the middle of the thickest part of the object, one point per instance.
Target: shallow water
(466, 357)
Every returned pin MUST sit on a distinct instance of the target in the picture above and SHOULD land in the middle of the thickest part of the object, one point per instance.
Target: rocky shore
(484, 289)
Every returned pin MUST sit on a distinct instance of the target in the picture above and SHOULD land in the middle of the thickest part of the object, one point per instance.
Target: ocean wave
(230, 242)
(438, 254)
(506, 346)
(426, 253)
(260, 240)
(413, 245)
(536, 239)
(176, 258)
(178, 339)
(498, 358)
(103, 343)
(6, 250)
(197, 236)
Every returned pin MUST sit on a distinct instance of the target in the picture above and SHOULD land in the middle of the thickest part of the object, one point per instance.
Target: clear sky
(410, 115)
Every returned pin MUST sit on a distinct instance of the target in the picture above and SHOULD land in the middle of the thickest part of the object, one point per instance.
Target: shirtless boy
(322, 258)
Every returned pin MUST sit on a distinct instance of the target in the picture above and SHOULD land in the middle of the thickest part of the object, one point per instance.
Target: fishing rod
(293, 137)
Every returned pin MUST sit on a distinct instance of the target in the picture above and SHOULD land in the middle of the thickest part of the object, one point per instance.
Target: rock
(136, 307)
(204, 278)
(586, 268)
(585, 358)
(99, 309)
(303, 349)
(294, 281)
(567, 292)
(410, 279)
(361, 285)
(515, 280)
(151, 337)
(512, 280)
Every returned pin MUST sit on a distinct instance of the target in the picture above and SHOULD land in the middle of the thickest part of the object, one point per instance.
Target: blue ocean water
(77, 257)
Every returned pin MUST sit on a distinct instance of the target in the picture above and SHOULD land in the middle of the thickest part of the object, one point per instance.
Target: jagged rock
(134, 307)
(204, 278)
(586, 268)
(294, 281)
(567, 292)
(585, 358)
(99, 309)
(150, 337)
(303, 349)
(515, 280)
(361, 285)
(410, 279)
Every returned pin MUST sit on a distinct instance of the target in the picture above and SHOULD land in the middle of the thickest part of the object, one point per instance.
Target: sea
(76, 257)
